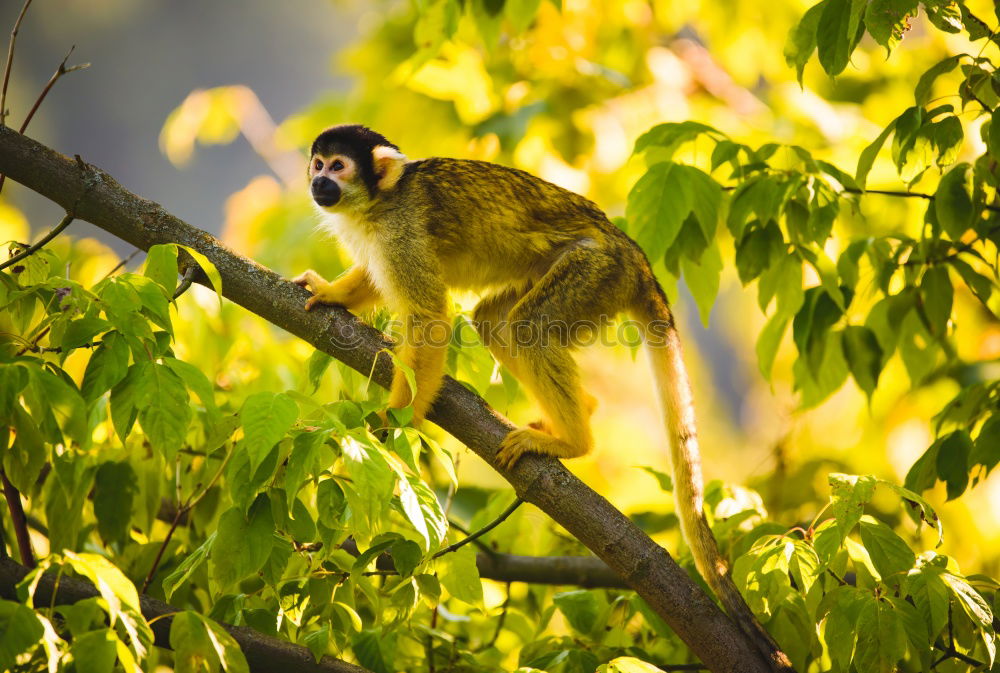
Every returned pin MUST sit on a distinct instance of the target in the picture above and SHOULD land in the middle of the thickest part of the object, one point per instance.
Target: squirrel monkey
(542, 256)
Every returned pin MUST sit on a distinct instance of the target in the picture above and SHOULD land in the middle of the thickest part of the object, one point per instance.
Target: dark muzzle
(325, 191)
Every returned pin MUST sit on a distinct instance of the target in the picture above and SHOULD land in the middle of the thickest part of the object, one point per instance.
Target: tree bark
(90, 194)
(264, 654)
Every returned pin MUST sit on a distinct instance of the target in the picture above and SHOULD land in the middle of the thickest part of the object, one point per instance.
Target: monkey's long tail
(674, 392)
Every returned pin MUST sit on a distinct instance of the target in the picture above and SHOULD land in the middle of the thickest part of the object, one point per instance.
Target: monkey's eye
(337, 165)
(318, 165)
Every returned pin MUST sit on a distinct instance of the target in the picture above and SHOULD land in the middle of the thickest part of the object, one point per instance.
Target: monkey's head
(351, 165)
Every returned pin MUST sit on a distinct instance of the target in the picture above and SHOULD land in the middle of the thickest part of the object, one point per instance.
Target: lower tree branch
(263, 653)
(96, 197)
(583, 571)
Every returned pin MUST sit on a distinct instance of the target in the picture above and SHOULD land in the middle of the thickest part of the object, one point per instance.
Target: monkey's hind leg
(550, 376)
(585, 282)
(550, 373)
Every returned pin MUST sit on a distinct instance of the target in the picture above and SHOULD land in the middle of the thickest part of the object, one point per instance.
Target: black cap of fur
(357, 142)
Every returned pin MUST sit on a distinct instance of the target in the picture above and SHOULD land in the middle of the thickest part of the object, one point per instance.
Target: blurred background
(206, 107)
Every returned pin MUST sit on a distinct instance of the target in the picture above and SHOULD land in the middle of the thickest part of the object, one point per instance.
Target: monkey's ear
(388, 166)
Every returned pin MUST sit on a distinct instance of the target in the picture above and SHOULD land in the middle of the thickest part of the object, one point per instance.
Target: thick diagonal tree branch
(264, 654)
(90, 194)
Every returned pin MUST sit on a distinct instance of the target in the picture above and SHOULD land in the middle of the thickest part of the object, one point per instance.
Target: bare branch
(10, 62)
(543, 481)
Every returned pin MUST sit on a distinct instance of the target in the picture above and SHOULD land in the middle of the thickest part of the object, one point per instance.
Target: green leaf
(702, 279)
(784, 280)
(317, 366)
(864, 357)
(848, 496)
(888, 551)
(881, 637)
(266, 417)
(581, 608)
(837, 33)
(758, 250)
(922, 92)
(406, 556)
(521, 13)
(768, 342)
(95, 651)
(953, 462)
(977, 609)
(106, 367)
(662, 478)
(887, 20)
(867, 158)
(801, 42)
(993, 138)
(671, 135)
(657, 206)
(161, 266)
(20, 632)
(187, 567)
(937, 294)
(303, 461)
(812, 324)
(946, 138)
(375, 651)
(242, 543)
(206, 265)
(945, 15)
(930, 595)
(82, 331)
(987, 449)
(115, 487)
(119, 594)
(953, 201)
(915, 502)
(458, 574)
(421, 507)
(164, 409)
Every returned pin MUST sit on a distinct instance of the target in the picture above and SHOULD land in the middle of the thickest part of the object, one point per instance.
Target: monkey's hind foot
(529, 440)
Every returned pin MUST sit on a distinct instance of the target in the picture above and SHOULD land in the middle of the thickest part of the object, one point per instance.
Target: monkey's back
(494, 224)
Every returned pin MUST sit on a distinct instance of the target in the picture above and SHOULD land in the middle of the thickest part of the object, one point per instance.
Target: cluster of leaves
(270, 491)
(883, 294)
(865, 603)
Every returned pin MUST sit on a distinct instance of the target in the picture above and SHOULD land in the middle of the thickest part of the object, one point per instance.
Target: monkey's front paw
(323, 290)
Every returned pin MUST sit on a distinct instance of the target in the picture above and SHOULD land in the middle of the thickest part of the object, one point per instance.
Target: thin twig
(20, 522)
(10, 61)
(182, 511)
(482, 531)
(32, 249)
(122, 263)
(483, 547)
(60, 71)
